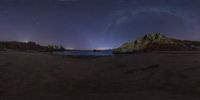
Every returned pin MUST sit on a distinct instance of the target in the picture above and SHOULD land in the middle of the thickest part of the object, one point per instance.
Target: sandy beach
(147, 76)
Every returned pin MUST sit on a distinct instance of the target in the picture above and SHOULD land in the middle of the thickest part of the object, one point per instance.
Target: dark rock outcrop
(157, 42)
(23, 46)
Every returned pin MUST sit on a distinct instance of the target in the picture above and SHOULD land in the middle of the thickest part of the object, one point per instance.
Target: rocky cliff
(157, 42)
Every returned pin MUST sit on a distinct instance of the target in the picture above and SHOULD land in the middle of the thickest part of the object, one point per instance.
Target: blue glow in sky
(88, 24)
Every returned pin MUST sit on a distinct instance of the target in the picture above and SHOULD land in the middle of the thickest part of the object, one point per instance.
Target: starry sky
(89, 24)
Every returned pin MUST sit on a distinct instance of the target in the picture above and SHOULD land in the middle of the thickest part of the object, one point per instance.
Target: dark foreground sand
(149, 76)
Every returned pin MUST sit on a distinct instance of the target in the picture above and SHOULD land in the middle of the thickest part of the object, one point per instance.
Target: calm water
(86, 53)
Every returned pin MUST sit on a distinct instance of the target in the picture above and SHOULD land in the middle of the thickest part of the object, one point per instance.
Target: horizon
(102, 49)
(93, 24)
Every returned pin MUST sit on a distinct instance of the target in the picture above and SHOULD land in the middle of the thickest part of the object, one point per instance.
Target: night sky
(89, 24)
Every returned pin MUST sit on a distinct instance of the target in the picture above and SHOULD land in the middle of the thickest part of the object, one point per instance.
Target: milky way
(88, 24)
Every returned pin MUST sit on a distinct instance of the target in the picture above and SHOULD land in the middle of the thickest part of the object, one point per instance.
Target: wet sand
(147, 76)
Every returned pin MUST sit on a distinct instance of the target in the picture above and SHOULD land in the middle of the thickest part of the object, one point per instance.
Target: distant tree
(62, 48)
(2, 46)
(52, 48)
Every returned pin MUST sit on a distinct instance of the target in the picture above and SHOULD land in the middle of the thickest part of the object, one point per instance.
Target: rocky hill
(23, 46)
(157, 42)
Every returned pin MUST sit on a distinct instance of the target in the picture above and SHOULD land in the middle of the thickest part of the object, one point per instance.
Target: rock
(157, 42)
(32, 46)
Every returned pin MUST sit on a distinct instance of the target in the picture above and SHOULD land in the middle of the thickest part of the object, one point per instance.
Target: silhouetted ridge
(157, 42)
(23, 46)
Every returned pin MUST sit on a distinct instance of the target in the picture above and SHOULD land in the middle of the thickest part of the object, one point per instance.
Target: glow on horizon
(26, 41)
(102, 48)
(69, 48)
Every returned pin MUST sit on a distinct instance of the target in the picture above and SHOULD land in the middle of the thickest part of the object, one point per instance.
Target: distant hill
(23, 46)
(157, 42)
